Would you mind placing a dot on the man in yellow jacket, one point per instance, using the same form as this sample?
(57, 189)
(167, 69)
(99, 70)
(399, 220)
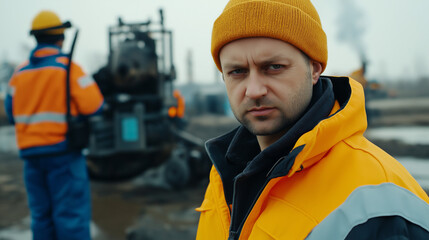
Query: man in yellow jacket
(55, 175)
(299, 166)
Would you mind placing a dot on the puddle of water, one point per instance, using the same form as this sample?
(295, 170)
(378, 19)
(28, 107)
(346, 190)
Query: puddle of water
(7, 139)
(17, 232)
(23, 231)
(406, 134)
(419, 169)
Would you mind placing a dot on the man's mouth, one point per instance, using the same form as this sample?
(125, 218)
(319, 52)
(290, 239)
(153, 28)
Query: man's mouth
(260, 111)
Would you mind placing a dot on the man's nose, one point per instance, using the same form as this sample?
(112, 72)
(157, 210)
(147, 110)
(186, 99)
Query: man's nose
(256, 86)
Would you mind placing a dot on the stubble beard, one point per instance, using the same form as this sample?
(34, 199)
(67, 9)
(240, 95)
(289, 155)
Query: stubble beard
(279, 124)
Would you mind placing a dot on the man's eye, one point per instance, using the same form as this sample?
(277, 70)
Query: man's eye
(275, 66)
(237, 71)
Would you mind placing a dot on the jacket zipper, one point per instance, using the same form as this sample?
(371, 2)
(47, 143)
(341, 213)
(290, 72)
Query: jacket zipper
(232, 235)
(235, 235)
(275, 164)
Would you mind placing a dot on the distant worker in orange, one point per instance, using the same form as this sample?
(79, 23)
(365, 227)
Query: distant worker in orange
(359, 75)
(55, 175)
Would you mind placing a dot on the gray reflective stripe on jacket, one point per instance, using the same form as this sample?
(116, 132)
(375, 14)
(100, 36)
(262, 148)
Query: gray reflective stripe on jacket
(10, 90)
(85, 81)
(366, 202)
(41, 117)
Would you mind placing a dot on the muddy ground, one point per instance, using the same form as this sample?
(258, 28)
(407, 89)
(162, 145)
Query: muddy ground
(154, 210)
(144, 207)
(13, 206)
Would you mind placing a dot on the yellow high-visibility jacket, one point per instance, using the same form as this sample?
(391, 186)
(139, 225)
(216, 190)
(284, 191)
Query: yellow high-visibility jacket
(333, 184)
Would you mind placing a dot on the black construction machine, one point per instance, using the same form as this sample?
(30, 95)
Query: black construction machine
(141, 126)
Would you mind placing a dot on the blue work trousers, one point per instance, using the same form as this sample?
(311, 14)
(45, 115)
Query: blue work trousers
(58, 197)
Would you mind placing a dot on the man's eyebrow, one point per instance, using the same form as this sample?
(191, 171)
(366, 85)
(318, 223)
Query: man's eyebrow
(264, 61)
(232, 65)
(272, 59)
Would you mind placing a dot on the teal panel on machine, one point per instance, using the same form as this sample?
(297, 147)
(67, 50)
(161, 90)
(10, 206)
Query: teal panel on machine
(130, 129)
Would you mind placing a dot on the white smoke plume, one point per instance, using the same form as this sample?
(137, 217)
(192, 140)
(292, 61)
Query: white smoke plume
(351, 25)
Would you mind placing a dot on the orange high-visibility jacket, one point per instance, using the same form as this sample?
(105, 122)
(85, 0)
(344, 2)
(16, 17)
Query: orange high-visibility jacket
(36, 100)
(337, 184)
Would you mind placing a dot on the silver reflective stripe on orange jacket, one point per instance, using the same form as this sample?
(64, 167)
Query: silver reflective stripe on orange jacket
(366, 202)
(41, 117)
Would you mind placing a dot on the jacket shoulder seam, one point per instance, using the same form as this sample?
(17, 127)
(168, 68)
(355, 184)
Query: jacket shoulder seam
(373, 157)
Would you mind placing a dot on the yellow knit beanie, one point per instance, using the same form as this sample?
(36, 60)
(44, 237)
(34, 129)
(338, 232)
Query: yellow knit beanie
(293, 21)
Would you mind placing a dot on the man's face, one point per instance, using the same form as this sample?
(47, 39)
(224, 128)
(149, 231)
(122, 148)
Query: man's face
(269, 83)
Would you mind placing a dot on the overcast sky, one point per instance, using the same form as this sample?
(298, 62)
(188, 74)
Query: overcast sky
(393, 34)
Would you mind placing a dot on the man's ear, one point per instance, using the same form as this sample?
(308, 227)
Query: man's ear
(316, 68)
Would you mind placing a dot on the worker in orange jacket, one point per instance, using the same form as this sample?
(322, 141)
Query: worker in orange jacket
(55, 175)
(299, 166)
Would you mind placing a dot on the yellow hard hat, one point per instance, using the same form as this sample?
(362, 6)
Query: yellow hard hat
(47, 22)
